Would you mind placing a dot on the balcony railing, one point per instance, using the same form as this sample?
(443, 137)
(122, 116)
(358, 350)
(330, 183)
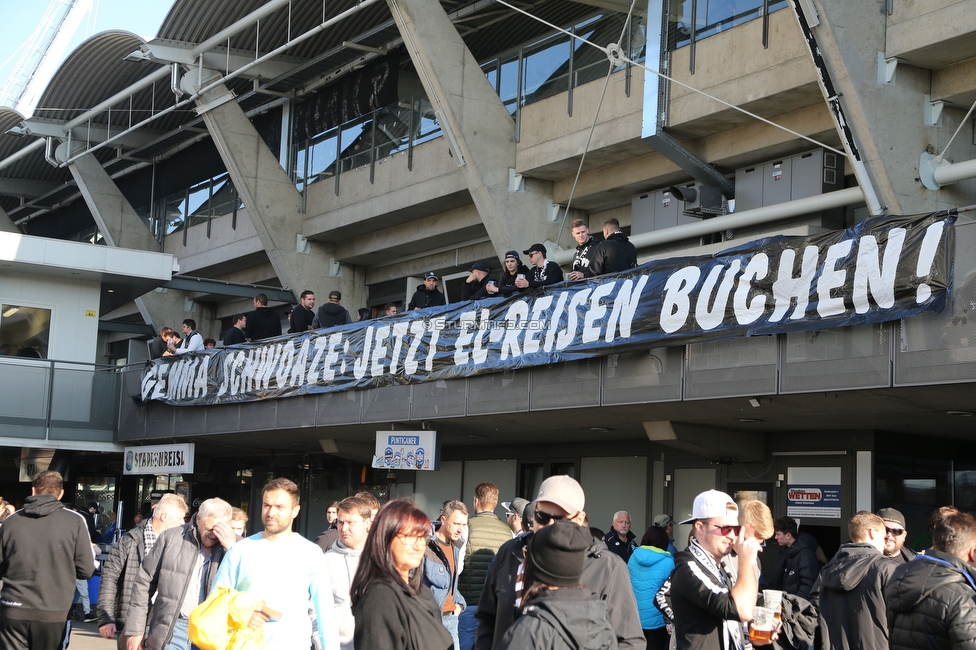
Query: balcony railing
(58, 400)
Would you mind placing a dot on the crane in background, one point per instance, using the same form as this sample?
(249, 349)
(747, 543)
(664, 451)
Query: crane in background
(42, 54)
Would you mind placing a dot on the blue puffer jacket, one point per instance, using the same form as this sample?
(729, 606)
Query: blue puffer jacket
(649, 568)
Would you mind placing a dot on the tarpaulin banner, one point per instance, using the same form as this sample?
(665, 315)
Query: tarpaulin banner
(885, 268)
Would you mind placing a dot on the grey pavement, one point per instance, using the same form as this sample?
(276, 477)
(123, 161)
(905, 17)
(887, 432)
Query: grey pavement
(84, 636)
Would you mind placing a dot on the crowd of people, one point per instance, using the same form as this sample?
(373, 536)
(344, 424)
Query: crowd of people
(592, 258)
(387, 577)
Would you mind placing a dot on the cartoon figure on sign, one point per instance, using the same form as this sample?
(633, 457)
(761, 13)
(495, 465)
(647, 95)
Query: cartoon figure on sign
(396, 460)
(420, 457)
(409, 460)
(388, 456)
(128, 461)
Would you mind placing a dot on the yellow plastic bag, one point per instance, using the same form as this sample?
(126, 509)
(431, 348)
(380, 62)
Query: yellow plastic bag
(221, 622)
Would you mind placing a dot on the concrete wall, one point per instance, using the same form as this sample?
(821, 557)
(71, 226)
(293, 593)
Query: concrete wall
(932, 33)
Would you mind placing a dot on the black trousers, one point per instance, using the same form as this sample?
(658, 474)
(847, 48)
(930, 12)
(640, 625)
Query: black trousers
(31, 635)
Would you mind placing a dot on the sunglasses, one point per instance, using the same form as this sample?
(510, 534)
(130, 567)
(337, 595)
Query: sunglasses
(895, 532)
(544, 518)
(725, 530)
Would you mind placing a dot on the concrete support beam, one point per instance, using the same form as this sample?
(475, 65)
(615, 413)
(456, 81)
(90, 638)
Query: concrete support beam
(715, 444)
(6, 224)
(273, 203)
(121, 227)
(473, 117)
(887, 120)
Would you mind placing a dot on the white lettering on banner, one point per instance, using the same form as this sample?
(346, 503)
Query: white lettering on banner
(764, 288)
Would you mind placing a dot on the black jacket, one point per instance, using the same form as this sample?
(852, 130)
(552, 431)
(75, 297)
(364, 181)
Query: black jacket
(262, 323)
(234, 336)
(331, 314)
(623, 549)
(423, 298)
(563, 619)
(399, 620)
(44, 549)
(701, 604)
(548, 273)
(850, 595)
(603, 573)
(613, 255)
(301, 320)
(475, 290)
(506, 285)
(932, 605)
(119, 572)
(798, 567)
(584, 255)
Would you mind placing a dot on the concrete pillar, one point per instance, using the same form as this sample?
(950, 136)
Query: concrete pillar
(121, 227)
(118, 221)
(273, 203)
(887, 119)
(6, 224)
(481, 125)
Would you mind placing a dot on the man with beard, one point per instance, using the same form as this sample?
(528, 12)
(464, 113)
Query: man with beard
(286, 571)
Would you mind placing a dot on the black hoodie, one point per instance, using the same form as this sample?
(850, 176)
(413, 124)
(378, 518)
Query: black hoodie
(331, 314)
(799, 567)
(44, 549)
(851, 598)
(262, 323)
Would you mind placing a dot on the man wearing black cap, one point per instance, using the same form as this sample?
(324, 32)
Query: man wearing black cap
(474, 287)
(427, 294)
(560, 498)
(895, 535)
(513, 269)
(544, 271)
(332, 313)
(559, 611)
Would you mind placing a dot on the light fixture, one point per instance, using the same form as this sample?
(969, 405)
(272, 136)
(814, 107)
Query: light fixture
(962, 414)
(754, 402)
(111, 290)
(750, 420)
(10, 312)
(599, 429)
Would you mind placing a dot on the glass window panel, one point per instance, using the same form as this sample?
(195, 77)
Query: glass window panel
(509, 84)
(199, 203)
(545, 70)
(24, 331)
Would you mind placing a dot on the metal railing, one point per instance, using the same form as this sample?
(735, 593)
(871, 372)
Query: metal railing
(47, 399)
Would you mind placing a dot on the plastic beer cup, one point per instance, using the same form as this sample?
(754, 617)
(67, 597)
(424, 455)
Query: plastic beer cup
(762, 626)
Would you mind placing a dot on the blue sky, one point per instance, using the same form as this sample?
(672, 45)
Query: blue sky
(20, 19)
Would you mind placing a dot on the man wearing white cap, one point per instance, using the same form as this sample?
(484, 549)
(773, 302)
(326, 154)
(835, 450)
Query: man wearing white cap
(560, 497)
(708, 608)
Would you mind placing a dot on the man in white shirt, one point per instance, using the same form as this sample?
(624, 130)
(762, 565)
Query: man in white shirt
(192, 339)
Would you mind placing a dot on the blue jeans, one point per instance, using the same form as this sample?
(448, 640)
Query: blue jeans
(181, 635)
(467, 628)
(450, 621)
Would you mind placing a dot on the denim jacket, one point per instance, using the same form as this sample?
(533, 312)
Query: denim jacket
(437, 573)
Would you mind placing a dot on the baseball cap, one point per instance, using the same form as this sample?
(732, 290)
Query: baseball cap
(564, 491)
(479, 266)
(516, 506)
(512, 254)
(663, 521)
(335, 294)
(430, 274)
(538, 248)
(890, 514)
(714, 504)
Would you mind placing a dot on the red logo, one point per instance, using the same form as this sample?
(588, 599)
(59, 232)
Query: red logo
(808, 495)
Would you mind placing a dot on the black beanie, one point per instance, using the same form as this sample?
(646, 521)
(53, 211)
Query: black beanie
(557, 553)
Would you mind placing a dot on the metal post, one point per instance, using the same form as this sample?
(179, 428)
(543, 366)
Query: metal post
(414, 124)
(572, 71)
(372, 148)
